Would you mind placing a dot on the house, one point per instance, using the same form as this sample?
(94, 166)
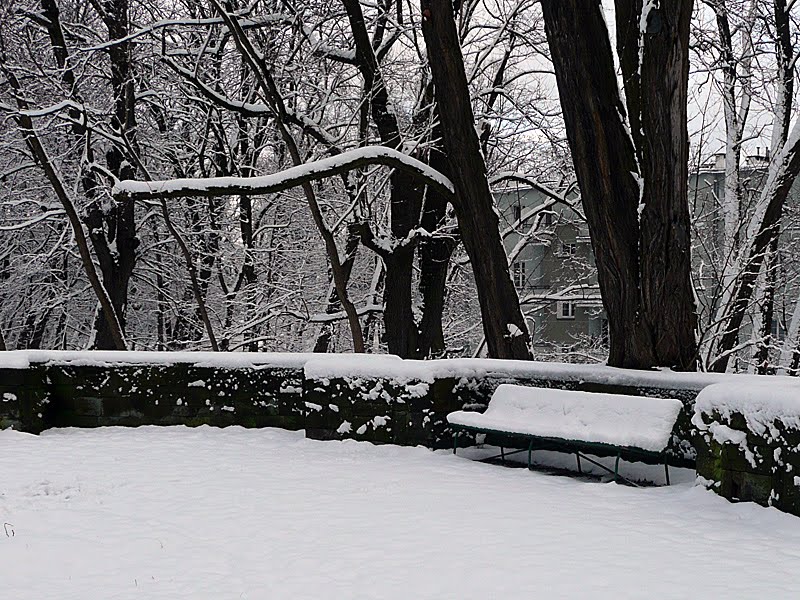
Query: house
(710, 252)
(552, 266)
(553, 269)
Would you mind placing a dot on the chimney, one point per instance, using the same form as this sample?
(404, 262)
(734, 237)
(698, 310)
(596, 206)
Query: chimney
(719, 161)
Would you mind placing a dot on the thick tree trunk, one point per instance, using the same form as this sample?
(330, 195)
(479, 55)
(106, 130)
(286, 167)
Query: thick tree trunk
(664, 238)
(639, 234)
(399, 326)
(113, 232)
(115, 267)
(605, 165)
(503, 322)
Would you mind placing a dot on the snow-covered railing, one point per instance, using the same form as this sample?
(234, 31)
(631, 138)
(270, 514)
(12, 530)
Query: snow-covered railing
(389, 366)
(23, 359)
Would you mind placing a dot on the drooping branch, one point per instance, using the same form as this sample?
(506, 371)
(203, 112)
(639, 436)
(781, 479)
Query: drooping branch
(284, 180)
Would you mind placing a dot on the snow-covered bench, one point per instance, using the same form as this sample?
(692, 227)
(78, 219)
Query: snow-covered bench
(630, 427)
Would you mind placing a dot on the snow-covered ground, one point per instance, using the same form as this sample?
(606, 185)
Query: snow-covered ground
(213, 514)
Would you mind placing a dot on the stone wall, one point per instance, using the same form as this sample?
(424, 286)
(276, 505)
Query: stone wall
(410, 413)
(744, 435)
(748, 444)
(24, 399)
(91, 396)
(79, 392)
(372, 398)
(414, 411)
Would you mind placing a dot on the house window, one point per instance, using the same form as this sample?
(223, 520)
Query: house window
(777, 330)
(565, 310)
(518, 272)
(517, 213)
(568, 249)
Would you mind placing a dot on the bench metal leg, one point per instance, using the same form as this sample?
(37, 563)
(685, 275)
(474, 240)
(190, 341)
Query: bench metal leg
(616, 468)
(578, 458)
(502, 456)
(666, 470)
(455, 441)
(530, 448)
(616, 474)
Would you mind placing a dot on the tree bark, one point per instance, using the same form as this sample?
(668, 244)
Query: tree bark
(405, 196)
(664, 238)
(639, 234)
(113, 232)
(325, 336)
(434, 261)
(504, 325)
(765, 339)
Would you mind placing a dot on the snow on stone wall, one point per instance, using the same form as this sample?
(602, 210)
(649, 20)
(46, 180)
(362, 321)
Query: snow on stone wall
(365, 397)
(749, 441)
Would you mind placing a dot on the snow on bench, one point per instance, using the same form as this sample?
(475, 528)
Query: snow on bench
(577, 421)
(615, 420)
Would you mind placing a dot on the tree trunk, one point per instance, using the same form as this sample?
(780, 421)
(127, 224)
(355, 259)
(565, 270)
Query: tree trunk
(434, 261)
(113, 232)
(774, 197)
(639, 230)
(765, 339)
(399, 326)
(400, 329)
(664, 239)
(783, 170)
(503, 322)
(325, 335)
(26, 128)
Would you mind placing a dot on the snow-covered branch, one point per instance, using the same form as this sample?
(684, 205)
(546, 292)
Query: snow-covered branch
(284, 180)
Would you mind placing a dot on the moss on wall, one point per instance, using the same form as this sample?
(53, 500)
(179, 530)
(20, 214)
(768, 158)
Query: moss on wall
(762, 468)
(379, 410)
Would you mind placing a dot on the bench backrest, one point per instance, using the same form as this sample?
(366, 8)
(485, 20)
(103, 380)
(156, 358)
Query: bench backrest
(626, 421)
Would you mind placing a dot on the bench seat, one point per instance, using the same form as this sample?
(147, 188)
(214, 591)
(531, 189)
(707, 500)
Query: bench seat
(604, 424)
